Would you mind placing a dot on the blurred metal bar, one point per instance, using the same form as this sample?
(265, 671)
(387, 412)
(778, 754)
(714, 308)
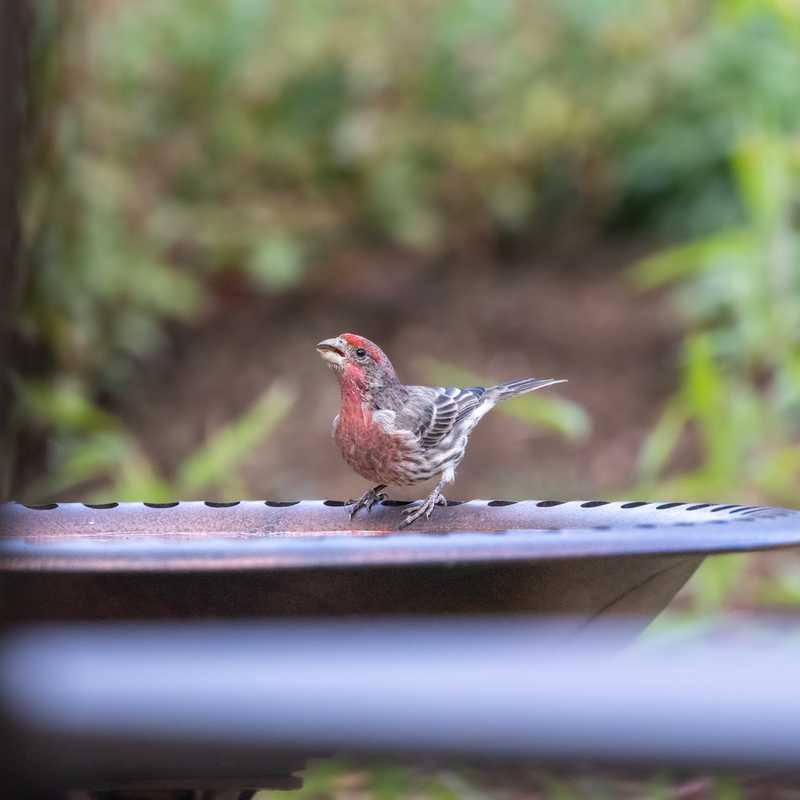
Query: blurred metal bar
(111, 704)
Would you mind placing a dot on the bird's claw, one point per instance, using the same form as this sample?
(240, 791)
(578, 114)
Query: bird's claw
(367, 500)
(424, 507)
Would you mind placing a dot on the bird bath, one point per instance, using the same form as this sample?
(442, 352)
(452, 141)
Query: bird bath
(588, 559)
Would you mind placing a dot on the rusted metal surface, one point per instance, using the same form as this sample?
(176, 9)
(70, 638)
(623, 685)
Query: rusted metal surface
(267, 559)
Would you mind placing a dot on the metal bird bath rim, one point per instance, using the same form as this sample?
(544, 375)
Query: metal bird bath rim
(275, 535)
(265, 559)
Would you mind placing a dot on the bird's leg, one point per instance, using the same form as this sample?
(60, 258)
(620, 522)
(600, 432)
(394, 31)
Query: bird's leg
(368, 499)
(426, 506)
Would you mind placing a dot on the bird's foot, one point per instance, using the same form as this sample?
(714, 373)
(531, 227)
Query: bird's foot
(423, 507)
(367, 500)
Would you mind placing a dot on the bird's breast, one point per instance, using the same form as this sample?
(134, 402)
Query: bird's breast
(370, 449)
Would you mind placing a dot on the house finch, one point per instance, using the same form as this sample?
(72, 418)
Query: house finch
(395, 434)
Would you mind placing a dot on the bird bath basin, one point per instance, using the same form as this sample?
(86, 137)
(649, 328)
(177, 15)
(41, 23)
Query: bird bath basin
(588, 559)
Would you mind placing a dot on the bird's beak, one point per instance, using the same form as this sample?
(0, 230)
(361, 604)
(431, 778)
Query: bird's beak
(332, 350)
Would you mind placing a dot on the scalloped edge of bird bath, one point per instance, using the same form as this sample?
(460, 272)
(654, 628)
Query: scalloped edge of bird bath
(274, 535)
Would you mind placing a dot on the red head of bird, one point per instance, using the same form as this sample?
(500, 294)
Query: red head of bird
(359, 364)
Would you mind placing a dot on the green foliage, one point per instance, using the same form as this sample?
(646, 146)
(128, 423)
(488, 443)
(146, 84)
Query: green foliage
(329, 778)
(739, 395)
(783, 589)
(727, 788)
(740, 383)
(91, 448)
(725, 417)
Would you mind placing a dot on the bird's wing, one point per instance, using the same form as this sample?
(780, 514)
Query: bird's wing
(433, 413)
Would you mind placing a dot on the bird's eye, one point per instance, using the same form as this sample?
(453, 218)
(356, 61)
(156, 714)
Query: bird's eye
(360, 352)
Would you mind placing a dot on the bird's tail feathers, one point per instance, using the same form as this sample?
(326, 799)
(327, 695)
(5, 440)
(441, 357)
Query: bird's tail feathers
(514, 388)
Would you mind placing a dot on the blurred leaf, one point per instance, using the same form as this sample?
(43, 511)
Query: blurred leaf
(672, 630)
(663, 438)
(760, 164)
(398, 197)
(782, 589)
(215, 461)
(686, 261)
(91, 456)
(710, 401)
(554, 413)
(556, 787)
(715, 581)
(727, 788)
(312, 102)
(388, 782)
(778, 473)
(702, 381)
(450, 785)
(277, 263)
(512, 203)
(135, 480)
(62, 404)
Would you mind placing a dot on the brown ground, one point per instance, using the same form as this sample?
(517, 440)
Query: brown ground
(563, 317)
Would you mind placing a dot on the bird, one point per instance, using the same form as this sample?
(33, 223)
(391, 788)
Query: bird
(399, 435)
